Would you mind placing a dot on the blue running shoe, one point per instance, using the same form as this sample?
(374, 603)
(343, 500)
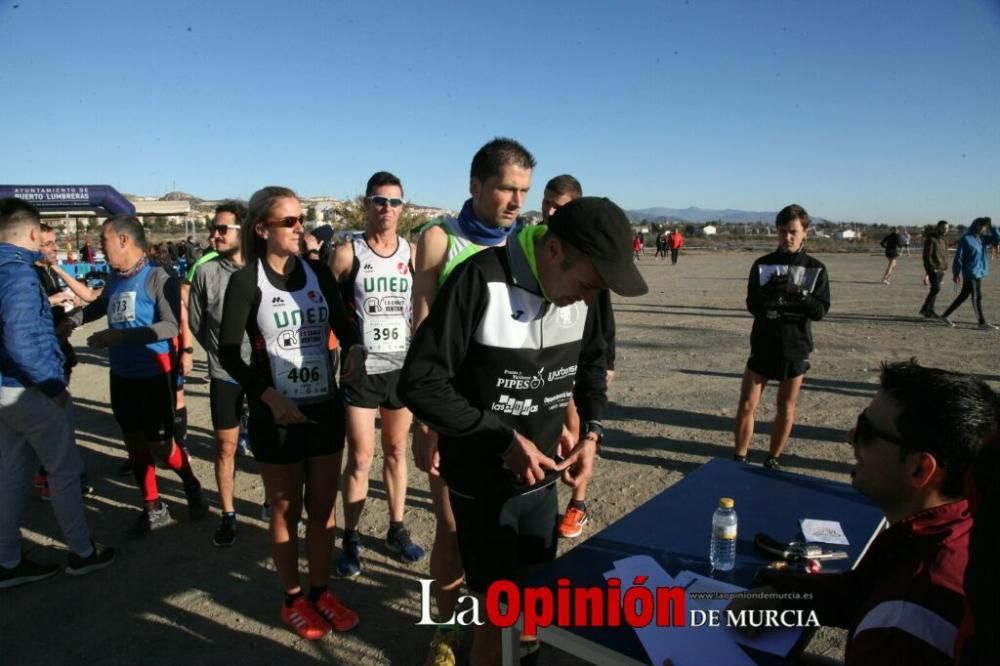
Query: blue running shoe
(398, 541)
(349, 564)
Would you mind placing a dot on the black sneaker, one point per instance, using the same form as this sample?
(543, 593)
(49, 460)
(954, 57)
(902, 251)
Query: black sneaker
(349, 563)
(772, 463)
(225, 536)
(26, 571)
(102, 557)
(738, 458)
(197, 504)
(398, 541)
(149, 520)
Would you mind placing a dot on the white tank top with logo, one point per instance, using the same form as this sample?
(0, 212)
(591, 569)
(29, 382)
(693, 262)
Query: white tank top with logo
(383, 305)
(295, 326)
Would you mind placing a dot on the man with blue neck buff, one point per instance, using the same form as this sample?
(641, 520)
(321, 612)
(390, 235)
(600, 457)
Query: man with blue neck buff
(498, 182)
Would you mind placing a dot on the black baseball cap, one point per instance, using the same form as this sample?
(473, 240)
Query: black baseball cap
(598, 228)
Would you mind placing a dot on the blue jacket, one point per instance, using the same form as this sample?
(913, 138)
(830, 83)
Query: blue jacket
(29, 351)
(970, 258)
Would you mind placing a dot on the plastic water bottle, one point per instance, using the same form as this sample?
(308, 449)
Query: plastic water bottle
(722, 553)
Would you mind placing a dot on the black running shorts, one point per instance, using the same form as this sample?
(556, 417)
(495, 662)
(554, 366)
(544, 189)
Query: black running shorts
(226, 402)
(293, 444)
(777, 369)
(374, 391)
(144, 406)
(498, 534)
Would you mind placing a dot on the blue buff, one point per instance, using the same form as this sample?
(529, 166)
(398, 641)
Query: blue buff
(477, 232)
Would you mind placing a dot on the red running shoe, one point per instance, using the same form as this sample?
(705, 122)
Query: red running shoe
(572, 523)
(340, 617)
(303, 618)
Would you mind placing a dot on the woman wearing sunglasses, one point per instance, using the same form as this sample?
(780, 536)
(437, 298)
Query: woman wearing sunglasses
(288, 307)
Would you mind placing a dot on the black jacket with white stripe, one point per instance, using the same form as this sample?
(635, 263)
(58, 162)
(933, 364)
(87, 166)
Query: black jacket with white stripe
(492, 357)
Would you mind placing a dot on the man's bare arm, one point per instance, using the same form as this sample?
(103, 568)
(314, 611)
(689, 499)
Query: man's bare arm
(81, 290)
(342, 261)
(429, 261)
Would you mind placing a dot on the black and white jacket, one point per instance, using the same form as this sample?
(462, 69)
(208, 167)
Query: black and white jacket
(492, 357)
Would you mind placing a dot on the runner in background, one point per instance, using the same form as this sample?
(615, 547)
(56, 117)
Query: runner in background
(141, 304)
(208, 289)
(375, 274)
(185, 341)
(935, 258)
(904, 241)
(675, 241)
(891, 245)
(559, 191)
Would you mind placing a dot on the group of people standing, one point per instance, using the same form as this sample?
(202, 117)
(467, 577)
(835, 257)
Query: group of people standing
(671, 241)
(509, 390)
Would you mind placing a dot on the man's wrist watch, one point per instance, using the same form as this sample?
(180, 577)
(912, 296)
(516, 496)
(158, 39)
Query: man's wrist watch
(188, 350)
(594, 428)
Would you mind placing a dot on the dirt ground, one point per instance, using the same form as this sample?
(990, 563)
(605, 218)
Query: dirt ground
(173, 598)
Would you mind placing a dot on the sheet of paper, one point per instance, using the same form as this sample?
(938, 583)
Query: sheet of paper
(683, 646)
(777, 641)
(824, 531)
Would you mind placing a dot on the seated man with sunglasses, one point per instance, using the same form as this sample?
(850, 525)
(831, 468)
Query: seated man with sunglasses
(913, 445)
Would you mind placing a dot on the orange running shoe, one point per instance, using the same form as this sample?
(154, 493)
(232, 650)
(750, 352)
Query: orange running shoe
(572, 523)
(340, 617)
(303, 618)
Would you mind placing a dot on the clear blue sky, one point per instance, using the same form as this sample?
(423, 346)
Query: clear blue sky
(883, 111)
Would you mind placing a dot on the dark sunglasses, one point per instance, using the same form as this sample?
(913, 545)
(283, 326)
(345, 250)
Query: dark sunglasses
(865, 431)
(221, 229)
(285, 222)
(385, 201)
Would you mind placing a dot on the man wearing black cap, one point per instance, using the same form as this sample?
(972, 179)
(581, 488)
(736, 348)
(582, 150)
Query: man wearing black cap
(492, 369)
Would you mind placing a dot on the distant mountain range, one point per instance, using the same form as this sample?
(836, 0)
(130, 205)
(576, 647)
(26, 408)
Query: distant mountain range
(699, 215)
(691, 215)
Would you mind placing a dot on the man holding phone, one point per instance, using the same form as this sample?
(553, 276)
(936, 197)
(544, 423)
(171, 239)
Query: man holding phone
(491, 370)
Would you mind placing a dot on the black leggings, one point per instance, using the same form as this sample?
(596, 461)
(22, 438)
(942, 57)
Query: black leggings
(973, 287)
